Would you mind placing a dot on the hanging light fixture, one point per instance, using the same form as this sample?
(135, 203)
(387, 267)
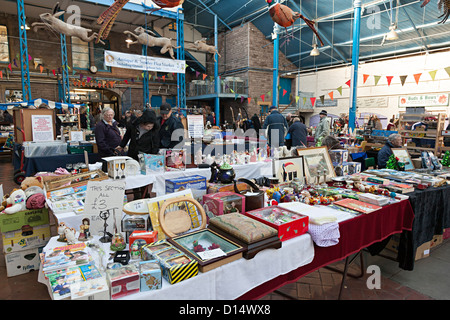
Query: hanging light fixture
(128, 39)
(314, 52)
(392, 34)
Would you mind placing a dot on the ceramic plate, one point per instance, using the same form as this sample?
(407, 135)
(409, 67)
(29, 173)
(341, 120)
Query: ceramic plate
(132, 168)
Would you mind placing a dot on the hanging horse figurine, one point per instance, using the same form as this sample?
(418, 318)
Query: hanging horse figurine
(285, 17)
(442, 5)
(164, 4)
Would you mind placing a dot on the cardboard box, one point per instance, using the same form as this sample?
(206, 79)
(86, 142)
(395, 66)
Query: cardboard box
(151, 163)
(92, 289)
(123, 281)
(15, 221)
(437, 240)
(26, 238)
(221, 203)
(151, 275)
(423, 251)
(353, 167)
(196, 183)
(21, 262)
(138, 239)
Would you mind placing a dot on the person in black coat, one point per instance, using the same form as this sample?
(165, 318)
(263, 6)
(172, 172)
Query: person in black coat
(107, 134)
(256, 123)
(298, 133)
(394, 141)
(143, 135)
(168, 125)
(276, 126)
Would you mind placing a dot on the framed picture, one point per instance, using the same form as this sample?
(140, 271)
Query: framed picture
(77, 136)
(403, 156)
(317, 162)
(286, 169)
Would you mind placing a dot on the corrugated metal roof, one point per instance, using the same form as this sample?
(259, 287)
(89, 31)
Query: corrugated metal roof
(417, 27)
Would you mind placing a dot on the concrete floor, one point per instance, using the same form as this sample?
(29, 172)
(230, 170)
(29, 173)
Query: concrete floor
(428, 281)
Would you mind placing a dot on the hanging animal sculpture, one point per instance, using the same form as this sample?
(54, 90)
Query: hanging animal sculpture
(442, 5)
(108, 17)
(165, 4)
(285, 17)
(143, 37)
(201, 45)
(52, 21)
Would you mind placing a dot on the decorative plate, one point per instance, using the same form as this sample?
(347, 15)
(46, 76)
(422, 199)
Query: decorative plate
(132, 168)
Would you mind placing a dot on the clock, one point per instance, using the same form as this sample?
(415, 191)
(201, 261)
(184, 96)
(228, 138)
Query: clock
(93, 69)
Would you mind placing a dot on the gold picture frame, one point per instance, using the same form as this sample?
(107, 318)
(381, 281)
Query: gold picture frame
(316, 159)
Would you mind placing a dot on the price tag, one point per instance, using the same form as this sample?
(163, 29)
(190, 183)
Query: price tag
(211, 254)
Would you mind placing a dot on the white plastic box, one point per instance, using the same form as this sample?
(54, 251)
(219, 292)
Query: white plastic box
(44, 149)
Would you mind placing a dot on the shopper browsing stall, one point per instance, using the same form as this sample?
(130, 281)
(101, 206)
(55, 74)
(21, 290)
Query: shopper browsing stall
(169, 137)
(394, 141)
(298, 133)
(107, 134)
(143, 135)
(276, 127)
(323, 128)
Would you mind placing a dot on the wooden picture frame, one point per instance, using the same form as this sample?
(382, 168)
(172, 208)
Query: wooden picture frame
(77, 135)
(313, 159)
(286, 169)
(403, 155)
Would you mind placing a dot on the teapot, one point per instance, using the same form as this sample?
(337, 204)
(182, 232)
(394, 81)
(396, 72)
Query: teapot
(224, 174)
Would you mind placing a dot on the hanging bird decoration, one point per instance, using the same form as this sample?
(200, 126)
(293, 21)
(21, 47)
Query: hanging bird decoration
(107, 18)
(285, 17)
(165, 4)
(442, 4)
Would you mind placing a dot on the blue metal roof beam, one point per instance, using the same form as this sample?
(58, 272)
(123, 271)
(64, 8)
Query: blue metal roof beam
(321, 34)
(214, 14)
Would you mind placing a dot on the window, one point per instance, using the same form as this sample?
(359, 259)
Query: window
(80, 53)
(4, 47)
(99, 55)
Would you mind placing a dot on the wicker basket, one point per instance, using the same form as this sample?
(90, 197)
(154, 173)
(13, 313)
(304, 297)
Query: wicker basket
(180, 215)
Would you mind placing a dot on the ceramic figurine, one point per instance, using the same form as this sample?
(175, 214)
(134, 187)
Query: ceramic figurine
(70, 235)
(85, 234)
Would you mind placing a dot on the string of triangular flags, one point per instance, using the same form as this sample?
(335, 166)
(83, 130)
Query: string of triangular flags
(377, 78)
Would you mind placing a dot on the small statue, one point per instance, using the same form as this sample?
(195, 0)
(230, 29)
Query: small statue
(85, 234)
(70, 235)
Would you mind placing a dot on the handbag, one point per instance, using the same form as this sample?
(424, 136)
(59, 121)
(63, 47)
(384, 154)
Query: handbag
(254, 199)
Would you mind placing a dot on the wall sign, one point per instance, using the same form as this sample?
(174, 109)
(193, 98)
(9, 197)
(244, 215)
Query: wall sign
(425, 100)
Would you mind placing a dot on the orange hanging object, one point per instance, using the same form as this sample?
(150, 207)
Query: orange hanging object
(168, 3)
(285, 17)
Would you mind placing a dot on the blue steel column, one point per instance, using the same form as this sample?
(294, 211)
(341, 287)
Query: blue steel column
(216, 74)
(65, 70)
(181, 77)
(145, 87)
(276, 47)
(24, 64)
(355, 63)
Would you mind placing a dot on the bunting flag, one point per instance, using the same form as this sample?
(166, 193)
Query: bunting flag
(349, 82)
(204, 76)
(36, 64)
(15, 63)
(377, 78)
(269, 93)
(242, 99)
(339, 90)
(389, 79)
(447, 70)
(197, 74)
(54, 72)
(88, 79)
(365, 77)
(313, 101)
(41, 68)
(433, 74)
(126, 81)
(164, 78)
(10, 67)
(81, 76)
(1, 74)
(232, 91)
(403, 79)
(322, 99)
(248, 100)
(284, 92)
(262, 97)
(296, 99)
(331, 94)
(417, 77)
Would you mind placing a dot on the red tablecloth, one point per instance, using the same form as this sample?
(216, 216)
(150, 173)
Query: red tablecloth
(355, 235)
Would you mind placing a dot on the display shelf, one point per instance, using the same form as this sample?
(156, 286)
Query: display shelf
(407, 120)
(67, 123)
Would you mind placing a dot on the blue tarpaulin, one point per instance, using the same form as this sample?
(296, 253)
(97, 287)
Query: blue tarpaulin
(37, 102)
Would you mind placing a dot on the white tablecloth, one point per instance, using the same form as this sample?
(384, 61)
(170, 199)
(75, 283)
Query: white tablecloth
(231, 280)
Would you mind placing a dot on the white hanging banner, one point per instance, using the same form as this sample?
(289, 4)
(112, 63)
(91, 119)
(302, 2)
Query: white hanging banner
(139, 62)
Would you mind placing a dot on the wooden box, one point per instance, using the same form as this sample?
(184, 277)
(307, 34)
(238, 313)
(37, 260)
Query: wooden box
(252, 235)
(208, 248)
(23, 122)
(288, 223)
(75, 180)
